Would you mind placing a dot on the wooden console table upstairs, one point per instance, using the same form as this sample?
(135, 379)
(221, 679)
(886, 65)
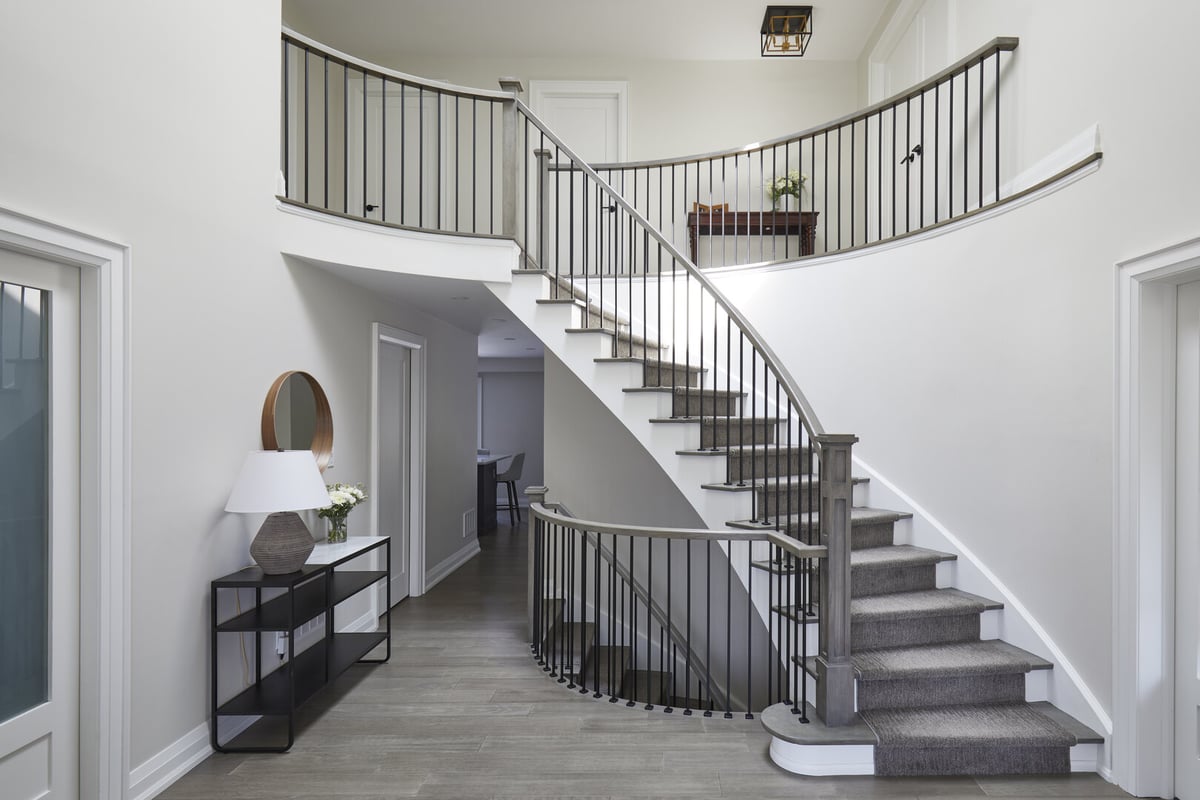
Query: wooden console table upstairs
(716, 222)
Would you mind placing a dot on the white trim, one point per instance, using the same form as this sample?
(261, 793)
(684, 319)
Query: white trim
(824, 759)
(1070, 692)
(156, 773)
(375, 227)
(541, 90)
(104, 486)
(1074, 150)
(383, 333)
(1143, 548)
(437, 573)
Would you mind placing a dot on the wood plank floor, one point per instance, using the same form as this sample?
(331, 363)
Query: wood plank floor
(462, 711)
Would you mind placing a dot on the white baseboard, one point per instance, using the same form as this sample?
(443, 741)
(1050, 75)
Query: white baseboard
(822, 760)
(367, 623)
(154, 775)
(439, 571)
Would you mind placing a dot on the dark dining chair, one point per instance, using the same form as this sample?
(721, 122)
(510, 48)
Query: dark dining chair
(509, 478)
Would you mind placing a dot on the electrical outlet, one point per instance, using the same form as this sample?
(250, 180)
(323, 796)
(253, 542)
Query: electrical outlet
(281, 644)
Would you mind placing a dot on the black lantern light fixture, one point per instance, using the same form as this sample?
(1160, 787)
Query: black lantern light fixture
(786, 30)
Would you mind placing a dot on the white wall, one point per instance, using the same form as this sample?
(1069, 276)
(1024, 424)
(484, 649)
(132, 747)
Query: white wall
(511, 396)
(156, 125)
(977, 367)
(596, 467)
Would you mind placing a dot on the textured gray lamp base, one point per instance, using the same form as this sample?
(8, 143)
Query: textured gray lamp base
(282, 544)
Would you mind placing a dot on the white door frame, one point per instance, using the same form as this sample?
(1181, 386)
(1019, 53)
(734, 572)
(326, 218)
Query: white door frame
(104, 492)
(383, 333)
(1143, 548)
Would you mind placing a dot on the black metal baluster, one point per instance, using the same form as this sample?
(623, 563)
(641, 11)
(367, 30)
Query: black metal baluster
(921, 187)
(634, 625)
(364, 143)
(307, 144)
(997, 56)
(708, 625)
(582, 594)
(552, 623)
(421, 157)
(893, 170)
(325, 131)
(729, 630)
(613, 678)
(649, 618)
(950, 154)
(595, 659)
(981, 58)
(687, 669)
(670, 627)
(908, 165)
(937, 152)
(750, 626)
(383, 148)
(438, 160)
(285, 166)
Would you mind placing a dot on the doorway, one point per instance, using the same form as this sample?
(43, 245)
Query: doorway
(39, 526)
(398, 456)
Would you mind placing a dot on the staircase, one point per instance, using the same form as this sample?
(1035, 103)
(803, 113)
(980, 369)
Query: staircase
(933, 696)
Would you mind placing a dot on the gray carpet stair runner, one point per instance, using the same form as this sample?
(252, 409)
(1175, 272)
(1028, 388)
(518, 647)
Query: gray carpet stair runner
(940, 700)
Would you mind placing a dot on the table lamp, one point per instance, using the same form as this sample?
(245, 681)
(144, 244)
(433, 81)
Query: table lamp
(279, 483)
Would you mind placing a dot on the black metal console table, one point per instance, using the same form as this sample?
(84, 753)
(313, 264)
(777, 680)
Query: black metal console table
(295, 599)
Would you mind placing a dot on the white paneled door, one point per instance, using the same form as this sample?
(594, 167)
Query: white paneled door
(39, 528)
(1187, 544)
(395, 458)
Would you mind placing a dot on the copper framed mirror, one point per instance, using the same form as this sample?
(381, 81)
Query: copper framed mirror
(296, 416)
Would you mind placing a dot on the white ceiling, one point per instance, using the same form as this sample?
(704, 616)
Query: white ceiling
(697, 30)
(464, 304)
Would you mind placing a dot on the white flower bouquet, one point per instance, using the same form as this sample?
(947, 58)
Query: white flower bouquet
(342, 500)
(789, 185)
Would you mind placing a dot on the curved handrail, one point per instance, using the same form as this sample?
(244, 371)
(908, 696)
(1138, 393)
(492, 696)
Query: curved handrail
(400, 77)
(808, 416)
(788, 545)
(996, 45)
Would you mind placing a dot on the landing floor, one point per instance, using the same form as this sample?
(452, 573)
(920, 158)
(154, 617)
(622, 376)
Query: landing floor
(462, 711)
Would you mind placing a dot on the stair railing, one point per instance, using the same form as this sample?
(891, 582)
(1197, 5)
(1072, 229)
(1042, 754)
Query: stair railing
(392, 149)
(592, 629)
(920, 159)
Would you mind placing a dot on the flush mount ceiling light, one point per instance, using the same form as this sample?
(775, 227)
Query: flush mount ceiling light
(786, 30)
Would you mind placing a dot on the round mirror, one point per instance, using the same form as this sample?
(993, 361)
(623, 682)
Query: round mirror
(296, 416)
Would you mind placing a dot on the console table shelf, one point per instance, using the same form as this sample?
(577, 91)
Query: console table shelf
(304, 595)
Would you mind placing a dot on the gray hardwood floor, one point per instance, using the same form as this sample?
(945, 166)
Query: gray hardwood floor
(462, 711)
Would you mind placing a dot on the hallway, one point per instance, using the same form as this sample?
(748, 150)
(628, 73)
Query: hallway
(462, 711)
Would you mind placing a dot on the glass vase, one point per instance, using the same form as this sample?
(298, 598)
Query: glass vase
(337, 530)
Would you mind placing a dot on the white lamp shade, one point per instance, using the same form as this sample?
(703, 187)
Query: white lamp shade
(272, 481)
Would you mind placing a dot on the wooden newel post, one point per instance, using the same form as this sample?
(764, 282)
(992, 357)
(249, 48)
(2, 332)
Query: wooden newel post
(835, 671)
(510, 166)
(536, 495)
(543, 206)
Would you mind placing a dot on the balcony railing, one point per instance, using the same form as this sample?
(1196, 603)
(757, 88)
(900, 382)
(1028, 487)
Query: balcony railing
(926, 156)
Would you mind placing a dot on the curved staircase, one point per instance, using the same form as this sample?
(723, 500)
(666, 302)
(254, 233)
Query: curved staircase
(933, 696)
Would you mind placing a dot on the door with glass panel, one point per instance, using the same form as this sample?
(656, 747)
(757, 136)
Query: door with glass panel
(39, 528)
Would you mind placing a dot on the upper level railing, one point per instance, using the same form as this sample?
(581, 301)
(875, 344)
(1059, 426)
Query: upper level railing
(925, 156)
